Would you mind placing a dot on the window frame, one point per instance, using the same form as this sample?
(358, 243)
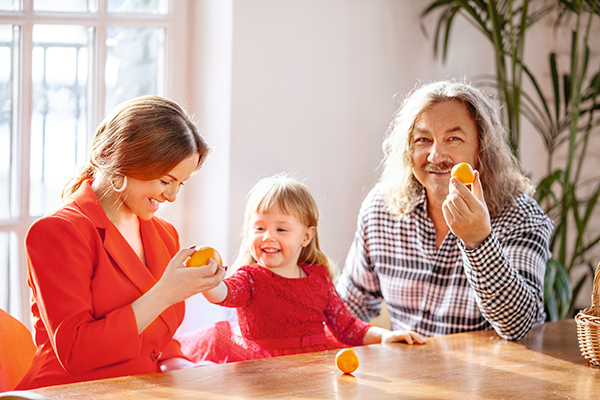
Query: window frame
(177, 41)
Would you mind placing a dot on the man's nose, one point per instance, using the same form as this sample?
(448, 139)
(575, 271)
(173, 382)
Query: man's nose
(437, 153)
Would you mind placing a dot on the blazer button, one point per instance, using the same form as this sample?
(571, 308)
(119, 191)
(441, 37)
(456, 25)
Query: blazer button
(156, 354)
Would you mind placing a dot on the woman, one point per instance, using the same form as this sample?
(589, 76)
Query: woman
(107, 275)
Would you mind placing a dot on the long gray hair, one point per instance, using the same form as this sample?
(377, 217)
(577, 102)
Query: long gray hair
(500, 175)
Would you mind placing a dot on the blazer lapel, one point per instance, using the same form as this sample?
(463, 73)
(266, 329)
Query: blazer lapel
(157, 256)
(157, 259)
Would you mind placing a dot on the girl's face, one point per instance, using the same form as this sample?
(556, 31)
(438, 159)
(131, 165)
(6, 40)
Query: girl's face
(143, 198)
(276, 240)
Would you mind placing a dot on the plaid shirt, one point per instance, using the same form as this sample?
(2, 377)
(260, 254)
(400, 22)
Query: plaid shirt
(498, 285)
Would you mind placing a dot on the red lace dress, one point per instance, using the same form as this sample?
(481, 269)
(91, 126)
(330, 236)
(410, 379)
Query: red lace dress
(281, 316)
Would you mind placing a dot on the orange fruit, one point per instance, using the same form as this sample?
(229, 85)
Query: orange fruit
(463, 172)
(201, 256)
(346, 360)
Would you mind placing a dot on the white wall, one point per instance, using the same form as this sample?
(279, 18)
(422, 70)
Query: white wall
(307, 87)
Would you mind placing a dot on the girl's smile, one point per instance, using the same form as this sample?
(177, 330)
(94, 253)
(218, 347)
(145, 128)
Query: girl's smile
(276, 240)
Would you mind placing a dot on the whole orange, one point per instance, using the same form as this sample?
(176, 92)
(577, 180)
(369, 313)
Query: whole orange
(463, 172)
(201, 256)
(346, 360)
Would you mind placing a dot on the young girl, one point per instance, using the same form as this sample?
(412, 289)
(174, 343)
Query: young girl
(283, 293)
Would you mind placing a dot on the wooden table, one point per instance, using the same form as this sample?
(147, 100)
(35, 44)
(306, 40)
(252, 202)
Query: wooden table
(546, 364)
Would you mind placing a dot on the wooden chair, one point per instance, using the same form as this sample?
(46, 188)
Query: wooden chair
(16, 351)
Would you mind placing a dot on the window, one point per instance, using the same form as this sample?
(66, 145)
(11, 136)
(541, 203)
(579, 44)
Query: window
(63, 64)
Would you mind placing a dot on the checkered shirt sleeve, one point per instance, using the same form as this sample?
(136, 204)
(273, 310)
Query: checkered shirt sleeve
(435, 292)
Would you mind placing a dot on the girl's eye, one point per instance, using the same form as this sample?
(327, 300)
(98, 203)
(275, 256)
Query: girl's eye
(164, 182)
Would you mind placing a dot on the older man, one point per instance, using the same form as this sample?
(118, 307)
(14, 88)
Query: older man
(447, 258)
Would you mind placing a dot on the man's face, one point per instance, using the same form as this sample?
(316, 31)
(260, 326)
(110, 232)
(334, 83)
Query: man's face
(444, 135)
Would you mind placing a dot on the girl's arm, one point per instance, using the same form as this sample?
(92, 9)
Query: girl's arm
(380, 335)
(216, 294)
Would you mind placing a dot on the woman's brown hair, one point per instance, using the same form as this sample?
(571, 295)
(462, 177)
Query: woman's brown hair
(143, 138)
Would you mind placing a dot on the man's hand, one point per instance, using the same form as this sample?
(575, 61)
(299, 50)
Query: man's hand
(466, 213)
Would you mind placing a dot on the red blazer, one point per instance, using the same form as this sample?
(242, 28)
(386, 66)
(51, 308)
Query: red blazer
(84, 277)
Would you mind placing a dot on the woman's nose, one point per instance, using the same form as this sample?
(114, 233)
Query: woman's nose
(170, 193)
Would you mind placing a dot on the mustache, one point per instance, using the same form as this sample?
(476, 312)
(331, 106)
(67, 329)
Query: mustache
(445, 166)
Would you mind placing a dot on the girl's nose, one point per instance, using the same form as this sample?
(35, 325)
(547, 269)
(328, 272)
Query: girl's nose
(267, 236)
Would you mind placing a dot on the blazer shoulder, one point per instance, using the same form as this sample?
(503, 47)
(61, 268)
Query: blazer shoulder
(167, 232)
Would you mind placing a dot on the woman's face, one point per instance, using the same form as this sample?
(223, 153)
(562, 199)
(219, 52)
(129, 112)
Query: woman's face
(143, 198)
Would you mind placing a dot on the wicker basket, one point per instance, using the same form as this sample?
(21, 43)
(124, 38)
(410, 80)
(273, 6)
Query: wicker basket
(588, 325)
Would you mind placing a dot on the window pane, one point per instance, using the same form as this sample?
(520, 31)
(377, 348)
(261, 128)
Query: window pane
(59, 137)
(10, 5)
(139, 6)
(9, 271)
(65, 5)
(8, 138)
(135, 63)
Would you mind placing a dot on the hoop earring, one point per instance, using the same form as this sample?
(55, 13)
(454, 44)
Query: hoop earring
(119, 190)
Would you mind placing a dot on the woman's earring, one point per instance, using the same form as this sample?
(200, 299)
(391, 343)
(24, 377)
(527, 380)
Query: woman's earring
(123, 186)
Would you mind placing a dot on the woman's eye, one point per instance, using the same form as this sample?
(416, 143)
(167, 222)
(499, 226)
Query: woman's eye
(164, 182)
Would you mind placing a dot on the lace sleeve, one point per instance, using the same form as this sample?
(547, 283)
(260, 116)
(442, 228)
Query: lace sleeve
(347, 328)
(240, 289)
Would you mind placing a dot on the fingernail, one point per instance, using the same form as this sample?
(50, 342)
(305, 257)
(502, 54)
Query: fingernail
(192, 247)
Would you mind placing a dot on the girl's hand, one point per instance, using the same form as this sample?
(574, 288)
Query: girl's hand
(409, 337)
(376, 334)
(466, 213)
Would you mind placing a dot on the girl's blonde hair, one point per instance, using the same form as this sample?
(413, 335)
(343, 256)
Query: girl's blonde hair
(143, 138)
(293, 198)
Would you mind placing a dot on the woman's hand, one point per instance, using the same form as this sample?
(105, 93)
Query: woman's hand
(466, 213)
(179, 282)
(176, 284)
